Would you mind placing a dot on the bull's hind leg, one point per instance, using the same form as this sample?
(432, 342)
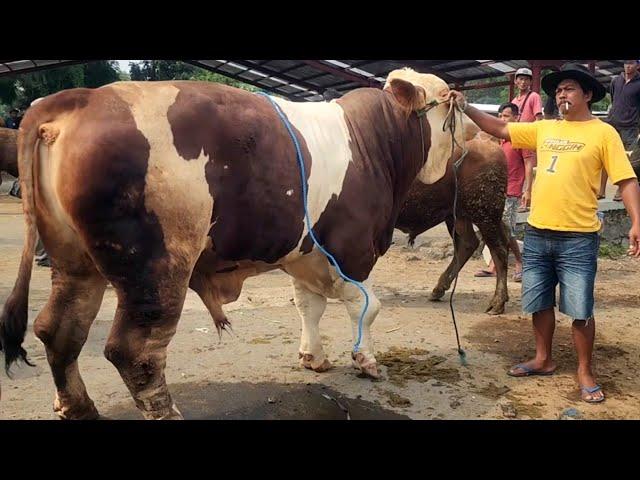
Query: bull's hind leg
(466, 243)
(495, 236)
(63, 327)
(145, 322)
(354, 301)
(311, 307)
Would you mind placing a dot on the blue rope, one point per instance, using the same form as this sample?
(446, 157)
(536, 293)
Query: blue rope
(303, 181)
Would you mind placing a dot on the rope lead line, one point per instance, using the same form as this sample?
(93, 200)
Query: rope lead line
(303, 182)
(450, 122)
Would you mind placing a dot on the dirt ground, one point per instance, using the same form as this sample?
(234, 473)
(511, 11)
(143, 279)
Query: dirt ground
(255, 374)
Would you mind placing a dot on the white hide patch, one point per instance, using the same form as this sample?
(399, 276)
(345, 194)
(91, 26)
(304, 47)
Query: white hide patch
(435, 89)
(176, 189)
(440, 150)
(327, 137)
(441, 143)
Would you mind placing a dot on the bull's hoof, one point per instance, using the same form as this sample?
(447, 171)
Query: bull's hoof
(436, 294)
(170, 414)
(495, 310)
(308, 361)
(368, 366)
(85, 411)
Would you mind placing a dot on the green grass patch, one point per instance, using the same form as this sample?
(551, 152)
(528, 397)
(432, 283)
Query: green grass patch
(613, 251)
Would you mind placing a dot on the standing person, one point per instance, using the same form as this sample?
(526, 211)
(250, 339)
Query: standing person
(13, 121)
(561, 239)
(529, 104)
(624, 114)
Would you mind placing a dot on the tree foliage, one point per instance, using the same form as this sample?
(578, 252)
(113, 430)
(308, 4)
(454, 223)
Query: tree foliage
(154, 70)
(20, 90)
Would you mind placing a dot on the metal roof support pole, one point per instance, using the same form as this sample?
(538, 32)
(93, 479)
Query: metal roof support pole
(512, 85)
(481, 86)
(536, 70)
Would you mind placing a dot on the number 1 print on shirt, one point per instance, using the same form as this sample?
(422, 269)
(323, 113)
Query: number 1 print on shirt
(554, 159)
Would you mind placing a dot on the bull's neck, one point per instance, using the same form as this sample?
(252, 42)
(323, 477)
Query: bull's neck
(388, 140)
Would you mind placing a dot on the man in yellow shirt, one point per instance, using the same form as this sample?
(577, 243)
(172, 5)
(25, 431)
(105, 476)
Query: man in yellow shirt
(561, 238)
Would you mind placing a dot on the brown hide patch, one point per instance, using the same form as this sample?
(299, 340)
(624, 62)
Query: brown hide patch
(386, 149)
(105, 161)
(252, 163)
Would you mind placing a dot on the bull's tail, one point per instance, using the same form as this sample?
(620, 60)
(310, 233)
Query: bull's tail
(13, 321)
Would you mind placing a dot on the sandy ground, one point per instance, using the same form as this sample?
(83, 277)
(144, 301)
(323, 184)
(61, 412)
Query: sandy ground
(255, 374)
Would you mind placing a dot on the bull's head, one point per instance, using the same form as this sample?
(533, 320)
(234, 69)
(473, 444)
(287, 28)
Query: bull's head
(434, 93)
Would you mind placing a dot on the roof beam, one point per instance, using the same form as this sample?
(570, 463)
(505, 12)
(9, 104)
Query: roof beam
(353, 77)
(480, 76)
(48, 66)
(278, 73)
(423, 68)
(485, 85)
(235, 77)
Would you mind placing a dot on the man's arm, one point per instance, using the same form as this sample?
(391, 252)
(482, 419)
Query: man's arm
(488, 123)
(630, 193)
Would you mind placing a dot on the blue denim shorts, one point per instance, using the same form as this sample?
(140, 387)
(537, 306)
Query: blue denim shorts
(566, 258)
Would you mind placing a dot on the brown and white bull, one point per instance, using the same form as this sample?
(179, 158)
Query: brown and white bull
(160, 187)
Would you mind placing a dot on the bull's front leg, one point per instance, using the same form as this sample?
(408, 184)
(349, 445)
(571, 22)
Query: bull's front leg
(310, 306)
(353, 298)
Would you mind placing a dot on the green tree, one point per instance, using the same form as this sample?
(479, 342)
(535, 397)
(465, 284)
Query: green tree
(100, 73)
(203, 75)
(21, 90)
(39, 84)
(135, 72)
(148, 70)
(491, 96)
(154, 70)
(8, 92)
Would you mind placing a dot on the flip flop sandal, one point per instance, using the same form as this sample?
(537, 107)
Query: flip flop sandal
(484, 273)
(528, 372)
(590, 391)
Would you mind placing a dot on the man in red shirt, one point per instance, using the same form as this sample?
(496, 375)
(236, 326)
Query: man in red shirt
(508, 112)
(529, 105)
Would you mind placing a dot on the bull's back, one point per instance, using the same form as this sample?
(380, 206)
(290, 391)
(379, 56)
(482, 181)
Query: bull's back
(146, 169)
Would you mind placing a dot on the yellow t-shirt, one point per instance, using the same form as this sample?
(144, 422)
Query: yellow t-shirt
(571, 156)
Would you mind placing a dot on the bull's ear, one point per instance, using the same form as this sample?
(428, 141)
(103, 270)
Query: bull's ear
(407, 94)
